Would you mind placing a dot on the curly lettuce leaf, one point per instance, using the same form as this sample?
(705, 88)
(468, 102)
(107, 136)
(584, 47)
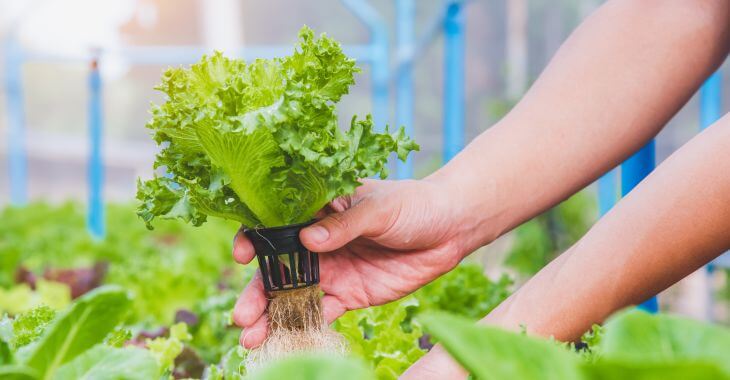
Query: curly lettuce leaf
(258, 142)
(166, 349)
(77, 329)
(29, 325)
(385, 336)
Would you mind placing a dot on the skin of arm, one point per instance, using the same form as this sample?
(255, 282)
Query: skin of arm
(610, 88)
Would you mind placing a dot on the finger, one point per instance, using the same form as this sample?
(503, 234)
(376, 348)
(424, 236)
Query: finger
(243, 251)
(338, 229)
(332, 308)
(255, 335)
(251, 304)
(323, 212)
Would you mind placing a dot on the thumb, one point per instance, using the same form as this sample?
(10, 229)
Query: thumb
(340, 228)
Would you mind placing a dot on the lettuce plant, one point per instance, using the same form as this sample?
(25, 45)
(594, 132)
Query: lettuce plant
(259, 142)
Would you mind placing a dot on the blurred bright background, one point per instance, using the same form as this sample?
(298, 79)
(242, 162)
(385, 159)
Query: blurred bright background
(507, 45)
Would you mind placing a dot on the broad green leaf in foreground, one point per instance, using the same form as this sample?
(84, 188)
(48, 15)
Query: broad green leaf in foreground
(109, 363)
(492, 353)
(17, 372)
(647, 338)
(314, 367)
(79, 328)
(635, 369)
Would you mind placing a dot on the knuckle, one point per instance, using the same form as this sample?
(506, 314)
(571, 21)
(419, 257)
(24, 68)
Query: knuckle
(340, 221)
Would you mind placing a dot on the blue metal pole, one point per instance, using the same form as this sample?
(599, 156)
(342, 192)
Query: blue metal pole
(607, 192)
(710, 112)
(633, 171)
(404, 102)
(711, 100)
(95, 217)
(453, 80)
(17, 166)
(379, 57)
(380, 80)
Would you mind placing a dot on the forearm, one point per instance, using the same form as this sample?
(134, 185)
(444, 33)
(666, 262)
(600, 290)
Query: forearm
(610, 88)
(673, 223)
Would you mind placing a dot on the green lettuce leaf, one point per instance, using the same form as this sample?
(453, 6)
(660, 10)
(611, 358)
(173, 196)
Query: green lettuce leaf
(86, 323)
(313, 367)
(661, 339)
(29, 325)
(17, 372)
(21, 298)
(108, 363)
(638, 370)
(385, 336)
(464, 291)
(258, 142)
(166, 349)
(491, 353)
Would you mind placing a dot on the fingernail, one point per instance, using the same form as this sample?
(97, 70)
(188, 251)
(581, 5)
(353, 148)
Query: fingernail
(319, 234)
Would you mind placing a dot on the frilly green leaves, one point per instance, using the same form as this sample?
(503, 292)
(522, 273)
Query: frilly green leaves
(259, 142)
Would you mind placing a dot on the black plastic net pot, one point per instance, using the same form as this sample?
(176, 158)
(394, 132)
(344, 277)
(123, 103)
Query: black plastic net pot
(284, 262)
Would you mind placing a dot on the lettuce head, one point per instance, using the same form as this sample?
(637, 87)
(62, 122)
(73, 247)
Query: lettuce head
(258, 142)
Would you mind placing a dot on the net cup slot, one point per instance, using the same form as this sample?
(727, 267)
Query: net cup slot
(284, 262)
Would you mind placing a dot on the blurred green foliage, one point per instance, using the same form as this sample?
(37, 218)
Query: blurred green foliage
(546, 236)
(169, 268)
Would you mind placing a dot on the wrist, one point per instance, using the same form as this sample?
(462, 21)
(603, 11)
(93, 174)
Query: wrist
(475, 210)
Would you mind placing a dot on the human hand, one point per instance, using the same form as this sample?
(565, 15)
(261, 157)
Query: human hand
(380, 244)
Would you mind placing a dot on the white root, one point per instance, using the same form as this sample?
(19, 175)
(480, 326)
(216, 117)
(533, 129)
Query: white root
(296, 324)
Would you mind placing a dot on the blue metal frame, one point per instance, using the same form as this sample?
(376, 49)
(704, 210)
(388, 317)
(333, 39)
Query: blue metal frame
(454, 68)
(405, 11)
(711, 100)
(607, 192)
(378, 48)
(17, 165)
(710, 112)
(95, 217)
(180, 55)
